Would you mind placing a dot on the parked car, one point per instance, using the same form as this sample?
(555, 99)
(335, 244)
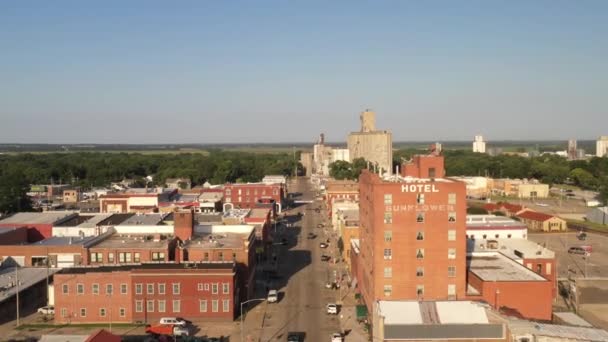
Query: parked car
(47, 310)
(323, 245)
(167, 329)
(580, 250)
(173, 321)
(273, 296)
(295, 337)
(325, 257)
(336, 337)
(329, 285)
(311, 236)
(181, 331)
(332, 309)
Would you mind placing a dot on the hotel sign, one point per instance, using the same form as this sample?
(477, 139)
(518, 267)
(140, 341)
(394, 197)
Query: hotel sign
(419, 188)
(420, 207)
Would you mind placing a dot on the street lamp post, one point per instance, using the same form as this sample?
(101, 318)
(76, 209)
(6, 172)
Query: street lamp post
(245, 302)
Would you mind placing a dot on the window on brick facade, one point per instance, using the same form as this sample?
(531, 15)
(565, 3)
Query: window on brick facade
(220, 256)
(420, 217)
(215, 305)
(420, 198)
(95, 289)
(136, 257)
(206, 286)
(206, 256)
(419, 271)
(228, 192)
(225, 288)
(150, 289)
(109, 288)
(388, 235)
(124, 257)
(420, 290)
(123, 288)
(158, 256)
(122, 312)
(214, 288)
(96, 257)
(548, 269)
(111, 257)
(451, 198)
(388, 199)
(83, 312)
(150, 306)
(102, 312)
(420, 236)
(64, 312)
(138, 289)
(388, 254)
(176, 288)
(80, 288)
(451, 271)
(226, 305)
(451, 253)
(452, 216)
(139, 306)
(65, 288)
(451, 291)
(162, 306)
(199, 286)
(539, 268)
(451, 235)
(388, 290)
(161, 288)
(202, 305)
(388, 272)
(388, 217)
(420, 253)
(177, 306)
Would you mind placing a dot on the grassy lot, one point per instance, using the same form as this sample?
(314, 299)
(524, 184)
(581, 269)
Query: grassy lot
(589, 224)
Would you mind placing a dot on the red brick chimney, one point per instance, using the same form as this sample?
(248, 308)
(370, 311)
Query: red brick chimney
(184, 224)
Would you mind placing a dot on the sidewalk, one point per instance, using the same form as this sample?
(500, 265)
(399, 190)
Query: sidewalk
(348, 320)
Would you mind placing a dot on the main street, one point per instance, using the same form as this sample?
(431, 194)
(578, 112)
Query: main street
(303, 295)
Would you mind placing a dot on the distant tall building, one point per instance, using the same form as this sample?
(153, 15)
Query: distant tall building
(601, 146)
(572, 151)
(479, 146)
(372, 145)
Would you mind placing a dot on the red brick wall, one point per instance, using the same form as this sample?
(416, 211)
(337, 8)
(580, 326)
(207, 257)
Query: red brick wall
(252, 193)
(104, 204)
(420, 166)
(28, 251)
(145, 254)
(35, 232)
(74, 302)
(530, 299)
(544, 267)
(183, 221)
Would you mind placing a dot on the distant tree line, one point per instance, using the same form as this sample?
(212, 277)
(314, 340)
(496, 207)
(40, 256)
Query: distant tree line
(90, 169)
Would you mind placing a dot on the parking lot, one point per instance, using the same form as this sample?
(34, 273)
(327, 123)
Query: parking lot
(576, 265)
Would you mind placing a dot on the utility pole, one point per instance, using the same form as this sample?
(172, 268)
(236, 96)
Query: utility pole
(295, 164)
(17, 294)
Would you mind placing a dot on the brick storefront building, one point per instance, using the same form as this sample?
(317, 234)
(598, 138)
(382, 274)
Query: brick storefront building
(144, 293)
(412, 235)
(254, 195)
(39, 225)
(340, 189)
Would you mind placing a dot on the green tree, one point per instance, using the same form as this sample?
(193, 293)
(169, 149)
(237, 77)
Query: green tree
(13, 192)
(583, 178)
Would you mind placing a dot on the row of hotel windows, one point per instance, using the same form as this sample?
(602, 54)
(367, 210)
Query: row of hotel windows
(255, 192)
(388, 235)
(176, 287)
(388, 217)
(125, 257)
(388, 290)
(388, 198)
(388, 272)
(122, 312)
(485, 236)
(388, 253)
(177, 307)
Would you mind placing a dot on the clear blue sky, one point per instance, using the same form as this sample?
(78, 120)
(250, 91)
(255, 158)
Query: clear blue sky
(281, 71)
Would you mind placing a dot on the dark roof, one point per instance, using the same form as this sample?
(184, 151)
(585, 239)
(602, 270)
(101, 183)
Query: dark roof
(213, 265)
(115, 219)
(443, 331)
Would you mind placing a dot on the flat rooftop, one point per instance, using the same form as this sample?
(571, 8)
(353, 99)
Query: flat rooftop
(95, 220)
(513, 248)
(37, 218)
(414, 180)
(144, 220)
(236, 213)
(131, 241)
(208, 218)
(492, 221)
(259, 213)
(441, 312)
(218, 240)
(497, 267)
(65, 241)
(558, 331)
(27, 277)
(210, 265)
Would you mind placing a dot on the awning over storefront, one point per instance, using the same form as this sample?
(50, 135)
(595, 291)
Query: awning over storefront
(361, 312)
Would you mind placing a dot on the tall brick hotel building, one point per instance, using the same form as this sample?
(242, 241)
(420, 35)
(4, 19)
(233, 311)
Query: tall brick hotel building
(412, 234)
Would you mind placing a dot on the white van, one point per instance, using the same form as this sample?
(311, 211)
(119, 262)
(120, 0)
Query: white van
(173, 321)
(273, 296)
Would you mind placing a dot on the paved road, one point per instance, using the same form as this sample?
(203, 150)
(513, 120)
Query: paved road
(304, 296)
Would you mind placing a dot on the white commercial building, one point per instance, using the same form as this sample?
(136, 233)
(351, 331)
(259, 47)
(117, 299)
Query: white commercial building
(479, 145)
(601, 146)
